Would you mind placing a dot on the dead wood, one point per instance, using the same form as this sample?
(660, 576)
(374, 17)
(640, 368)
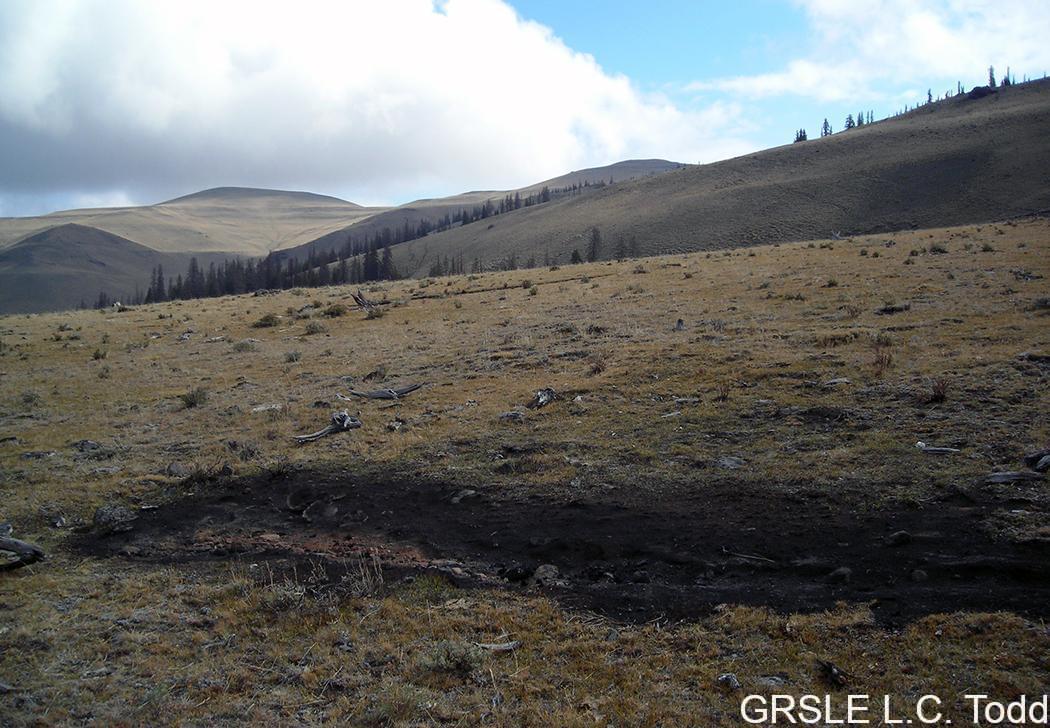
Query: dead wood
(389, 393)
(26, 553)
(341, 422)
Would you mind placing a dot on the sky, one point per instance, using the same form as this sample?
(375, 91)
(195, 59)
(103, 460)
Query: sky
(114, 102)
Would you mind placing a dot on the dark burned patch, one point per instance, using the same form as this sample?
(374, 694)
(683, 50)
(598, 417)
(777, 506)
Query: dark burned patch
(643, 555)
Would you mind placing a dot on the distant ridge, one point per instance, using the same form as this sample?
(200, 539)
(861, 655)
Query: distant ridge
(952, 162)
(433, 209)
(227, 194)
(71, 263)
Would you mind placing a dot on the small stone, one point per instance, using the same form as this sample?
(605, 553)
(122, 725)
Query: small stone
(640, 577)
(110, 519)
(729, 462)
(679, 325)
(545, 575)
(612, 635)
(38, 454)
(460, 495)
(840, 575)
(86, 445)
(898, 538)
(728, 681)
(512, 416)
(919, 576)
(1034, 458)
(177, 470)
(1043, 465)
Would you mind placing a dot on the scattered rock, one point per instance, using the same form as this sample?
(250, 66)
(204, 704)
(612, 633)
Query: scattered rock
(898, 538)
(545, 575)
(729, 462)
(1013, 476)
(9, 440)
(772, 681)
(395, 425)
(6, 528)
(612, 635)
(512, 416)
(86, 446)
(110, 519)
(177, 470)
(919, 576)
(460, 495)
(266, 408)
(1043, 465)
(38, 454)
(728, 681)
(840, 575)
(543, 398)
(837, 382)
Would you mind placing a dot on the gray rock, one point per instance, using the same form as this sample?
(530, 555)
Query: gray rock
(109, 519)
(512, 416)
(177, 470)
(86, 446)
(729, 462)
(546, 575)
(1043, 465)
(840, 575)
(38, 454)
(461, 495)
(728, 681)
(919, 576)
(898, 538)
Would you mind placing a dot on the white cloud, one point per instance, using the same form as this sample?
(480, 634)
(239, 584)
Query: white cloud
(104, 97)
(871, 48)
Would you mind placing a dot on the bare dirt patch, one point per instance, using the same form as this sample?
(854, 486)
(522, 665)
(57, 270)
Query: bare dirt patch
(632, 557)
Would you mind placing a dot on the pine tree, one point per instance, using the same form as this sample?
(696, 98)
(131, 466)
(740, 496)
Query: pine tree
(633, 248)
(849, 121)
(594, 247)
(991, 77)
(825, 130)
(576, 258)
(929, 95)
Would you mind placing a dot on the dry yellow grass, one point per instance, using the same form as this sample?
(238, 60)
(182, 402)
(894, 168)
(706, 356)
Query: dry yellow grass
(124, 643)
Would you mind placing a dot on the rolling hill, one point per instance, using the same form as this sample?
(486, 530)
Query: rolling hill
(65, 265)
(958, 161)
(434, 209)
(235, 220)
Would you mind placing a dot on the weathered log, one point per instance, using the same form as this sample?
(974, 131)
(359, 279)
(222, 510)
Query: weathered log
(26, 553)
(394, 393)
(1013, 476)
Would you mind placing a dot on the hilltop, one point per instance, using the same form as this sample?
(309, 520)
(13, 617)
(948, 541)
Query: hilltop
(957, 161)
(70, 264)
(233, 220)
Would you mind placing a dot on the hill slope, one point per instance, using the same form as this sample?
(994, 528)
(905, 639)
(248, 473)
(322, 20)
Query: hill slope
(237, 220)
(949, 163)
(434, 209)
(67, 264)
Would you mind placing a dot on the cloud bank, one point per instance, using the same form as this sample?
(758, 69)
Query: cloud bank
(895, 48)
(109, 99)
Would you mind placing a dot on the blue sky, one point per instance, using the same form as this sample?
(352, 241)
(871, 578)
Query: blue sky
(108, 102)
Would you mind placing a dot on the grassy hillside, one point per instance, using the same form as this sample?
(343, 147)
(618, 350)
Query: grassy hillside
(738, 493)
(235, 220)
(949, 163)
(69, 264)
(436, 208)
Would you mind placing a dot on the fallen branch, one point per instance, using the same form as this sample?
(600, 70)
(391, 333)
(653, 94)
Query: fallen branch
(341, 422)
(396, 393)
(936, 450)
(361, 301)
(1013, 476)
(499, 646)
(27, 553)
(752, 557)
